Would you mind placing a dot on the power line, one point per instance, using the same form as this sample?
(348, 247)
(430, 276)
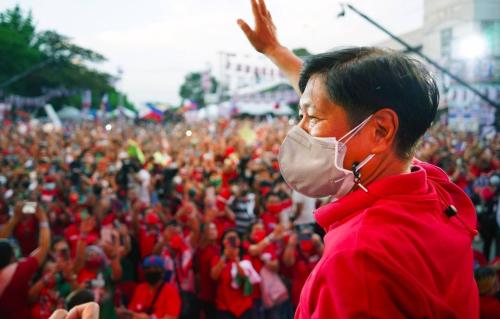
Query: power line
(417, 51)
(25, 73)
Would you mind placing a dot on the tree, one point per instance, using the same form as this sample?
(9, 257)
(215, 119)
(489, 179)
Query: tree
(301, 52)
(192, 88)
(17, 35)
(63, 64)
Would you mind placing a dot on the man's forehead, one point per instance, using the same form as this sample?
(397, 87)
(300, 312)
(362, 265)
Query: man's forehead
(314, 93)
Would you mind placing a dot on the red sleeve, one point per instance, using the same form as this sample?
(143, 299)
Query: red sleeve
(136, 299)
(214, 261)
(26, 268)
(171, 304)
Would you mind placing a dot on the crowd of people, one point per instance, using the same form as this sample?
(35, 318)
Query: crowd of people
(183, 220)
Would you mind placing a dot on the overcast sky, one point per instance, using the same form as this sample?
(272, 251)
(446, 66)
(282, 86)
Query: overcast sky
(156, 42)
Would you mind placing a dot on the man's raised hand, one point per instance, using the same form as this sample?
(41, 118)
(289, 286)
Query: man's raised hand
(263, 38)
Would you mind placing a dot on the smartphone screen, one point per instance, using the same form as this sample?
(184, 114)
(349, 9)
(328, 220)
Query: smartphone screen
(29, 208)
(107, 234)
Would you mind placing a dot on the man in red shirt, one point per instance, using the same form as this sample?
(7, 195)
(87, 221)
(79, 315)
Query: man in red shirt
(15, 276)
(155, 298)
(399, 233)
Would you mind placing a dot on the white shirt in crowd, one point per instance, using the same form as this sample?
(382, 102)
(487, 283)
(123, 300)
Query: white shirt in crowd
(144, 179)
(308, 206)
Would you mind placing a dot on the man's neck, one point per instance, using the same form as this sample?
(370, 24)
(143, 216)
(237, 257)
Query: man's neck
(389, 165)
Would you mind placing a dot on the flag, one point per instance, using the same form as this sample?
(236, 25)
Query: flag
(189, 106)
(153, 113)
(134, 150)
(247, 134)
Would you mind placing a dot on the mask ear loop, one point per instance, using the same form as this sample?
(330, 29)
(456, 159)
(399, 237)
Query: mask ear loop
(357, 174)
(355, 130)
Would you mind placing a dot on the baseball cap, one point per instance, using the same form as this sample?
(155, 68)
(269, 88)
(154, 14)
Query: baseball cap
(153, 261)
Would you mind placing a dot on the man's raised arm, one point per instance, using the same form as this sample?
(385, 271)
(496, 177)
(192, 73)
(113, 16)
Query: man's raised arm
(264, 39)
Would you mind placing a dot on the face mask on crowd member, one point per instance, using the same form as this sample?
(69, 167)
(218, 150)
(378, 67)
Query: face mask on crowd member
(356, 127)
(94, 258)
(258, 233)
(153, 269)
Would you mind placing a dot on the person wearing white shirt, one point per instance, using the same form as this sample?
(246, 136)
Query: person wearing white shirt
(303, 209)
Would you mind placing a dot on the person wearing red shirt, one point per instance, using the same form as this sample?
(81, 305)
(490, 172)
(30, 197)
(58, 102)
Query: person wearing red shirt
(15, 276)
(399, 233)
(302, 253)
(273, 208)
(489, 289)
(155, 298)
(25, 233)
(231, 300)
(207, 251)
(262, 252)
(149, 234)
(223, 216)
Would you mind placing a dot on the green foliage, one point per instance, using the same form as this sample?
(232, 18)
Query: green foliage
(192, 88)
(301, 52)
(50, 60)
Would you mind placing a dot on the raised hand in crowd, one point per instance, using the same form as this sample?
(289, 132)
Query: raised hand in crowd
(6, 230)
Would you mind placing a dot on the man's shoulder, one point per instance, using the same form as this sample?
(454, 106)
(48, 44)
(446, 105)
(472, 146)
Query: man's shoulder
(27, 263)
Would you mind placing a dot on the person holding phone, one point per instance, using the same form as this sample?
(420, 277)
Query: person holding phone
(155, 297)
(302, 252)
(231, 300)
(15, 276)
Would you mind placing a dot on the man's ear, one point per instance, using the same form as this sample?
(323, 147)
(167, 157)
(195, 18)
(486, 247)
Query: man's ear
(385, 126)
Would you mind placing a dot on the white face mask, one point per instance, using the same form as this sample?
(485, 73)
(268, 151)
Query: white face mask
(313, 166)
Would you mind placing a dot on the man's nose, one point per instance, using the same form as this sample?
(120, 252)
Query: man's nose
(303, 125)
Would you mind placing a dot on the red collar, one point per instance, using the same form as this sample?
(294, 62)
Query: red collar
(354, 202)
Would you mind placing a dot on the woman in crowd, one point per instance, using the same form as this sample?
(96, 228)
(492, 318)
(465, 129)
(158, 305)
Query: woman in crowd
(234, 291)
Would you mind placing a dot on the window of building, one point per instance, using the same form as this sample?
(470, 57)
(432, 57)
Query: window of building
(446, 37)
(491, 31)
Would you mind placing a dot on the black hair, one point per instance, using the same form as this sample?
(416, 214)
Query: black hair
(271, 193)
(79, 297)
(55, 240)
(363, 80)
(6, 253)
(224, 235)
(227, 231)
(483, 273)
